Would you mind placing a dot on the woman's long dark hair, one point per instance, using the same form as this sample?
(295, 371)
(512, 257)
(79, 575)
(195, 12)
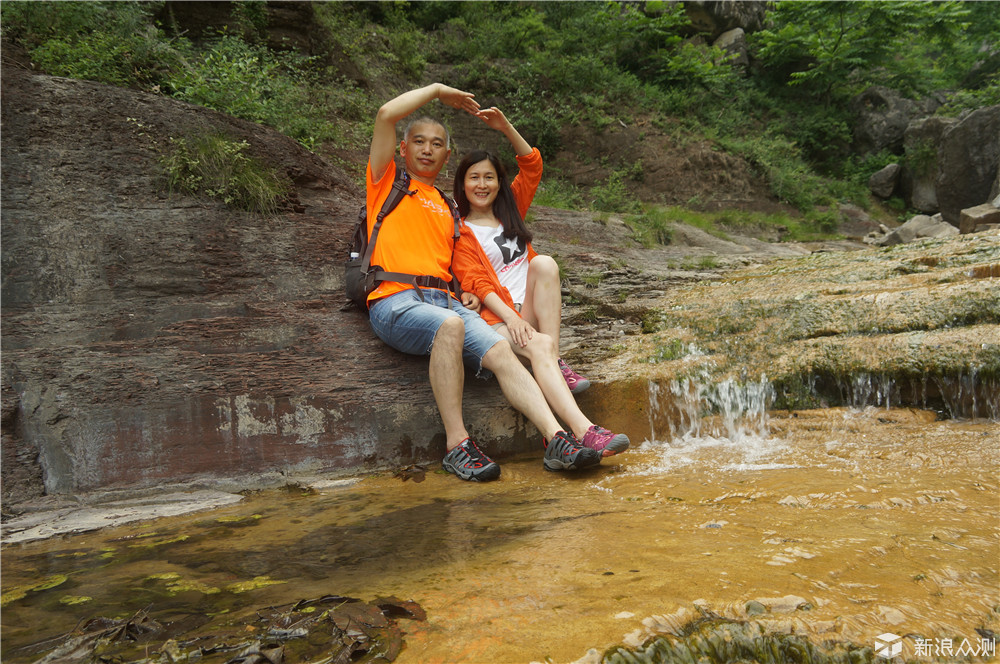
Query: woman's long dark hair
(504, 206)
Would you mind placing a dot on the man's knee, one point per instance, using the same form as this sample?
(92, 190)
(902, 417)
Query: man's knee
(452, 330)
(498, 355)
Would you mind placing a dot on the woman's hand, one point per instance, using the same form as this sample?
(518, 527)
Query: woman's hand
(520, 331)
(455, 98)
(494, 119)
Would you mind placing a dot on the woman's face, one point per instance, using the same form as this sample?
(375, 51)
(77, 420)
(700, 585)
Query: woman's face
(481, 186)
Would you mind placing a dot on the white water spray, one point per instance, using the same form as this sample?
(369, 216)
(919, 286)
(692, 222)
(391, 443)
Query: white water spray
(693, 416)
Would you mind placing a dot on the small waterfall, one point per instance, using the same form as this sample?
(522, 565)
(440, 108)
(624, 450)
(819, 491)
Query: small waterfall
(693, 414)
(967, 396)
(697, 407)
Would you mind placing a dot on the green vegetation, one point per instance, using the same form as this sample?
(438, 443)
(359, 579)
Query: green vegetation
(219, 167)
(551, 65)
(652, 226)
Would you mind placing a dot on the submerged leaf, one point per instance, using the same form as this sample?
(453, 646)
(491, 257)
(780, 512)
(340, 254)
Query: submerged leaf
(253, 584)
(414, 472)
(397, 608)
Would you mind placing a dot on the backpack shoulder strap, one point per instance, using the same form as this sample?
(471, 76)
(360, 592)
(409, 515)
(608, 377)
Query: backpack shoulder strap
(400, 188)
(455, 214)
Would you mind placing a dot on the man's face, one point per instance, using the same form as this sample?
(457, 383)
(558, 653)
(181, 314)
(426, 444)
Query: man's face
(425, 150)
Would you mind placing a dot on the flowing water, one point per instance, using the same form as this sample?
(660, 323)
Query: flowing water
(844, 526)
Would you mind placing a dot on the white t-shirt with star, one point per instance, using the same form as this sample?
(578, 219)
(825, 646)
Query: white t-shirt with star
(508, 256)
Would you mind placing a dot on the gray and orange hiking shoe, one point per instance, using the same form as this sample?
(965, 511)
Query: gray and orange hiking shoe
(605, 442)
(574, 381)
(564, 452)
(470, 463)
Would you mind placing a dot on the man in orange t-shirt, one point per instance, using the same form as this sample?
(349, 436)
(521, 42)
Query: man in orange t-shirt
(417, 238)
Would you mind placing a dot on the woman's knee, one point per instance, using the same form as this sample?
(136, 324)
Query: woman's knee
(544, 267)
(541, 345)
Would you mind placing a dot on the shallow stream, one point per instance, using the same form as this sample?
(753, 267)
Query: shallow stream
(839, 525)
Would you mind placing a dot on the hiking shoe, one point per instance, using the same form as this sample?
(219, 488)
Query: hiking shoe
(574, 381)
(470, 463)
(605, 442)
(564, 452)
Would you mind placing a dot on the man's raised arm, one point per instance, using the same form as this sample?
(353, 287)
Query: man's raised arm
(384, 135)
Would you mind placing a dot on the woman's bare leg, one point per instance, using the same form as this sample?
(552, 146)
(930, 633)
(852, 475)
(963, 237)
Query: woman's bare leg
(542, 305)
(541, 353)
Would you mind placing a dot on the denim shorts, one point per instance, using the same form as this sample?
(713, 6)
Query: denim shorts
(409, 325)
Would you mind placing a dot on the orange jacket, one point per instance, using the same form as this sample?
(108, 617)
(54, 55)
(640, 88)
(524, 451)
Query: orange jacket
(471, 265)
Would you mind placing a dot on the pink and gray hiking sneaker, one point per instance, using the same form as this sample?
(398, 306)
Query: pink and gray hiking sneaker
(574, 381)
(605, 442)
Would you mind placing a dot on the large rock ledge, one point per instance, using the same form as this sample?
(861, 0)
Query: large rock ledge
(156, 342)
(152, 338)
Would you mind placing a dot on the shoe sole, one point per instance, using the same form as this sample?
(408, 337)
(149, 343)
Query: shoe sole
(616, 445)
(485, 474)
(582, 460)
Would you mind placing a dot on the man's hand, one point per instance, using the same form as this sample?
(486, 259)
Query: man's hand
(455, 98)
(471, 302)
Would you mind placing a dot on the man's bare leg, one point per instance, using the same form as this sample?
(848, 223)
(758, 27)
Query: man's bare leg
(447, 376)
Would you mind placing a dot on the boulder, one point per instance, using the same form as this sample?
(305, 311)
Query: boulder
(881, 117)
(921, 143)
(920, 226)
(968, 160)
(734, 42)
(979, 217)
(883, 183)
(717, 16)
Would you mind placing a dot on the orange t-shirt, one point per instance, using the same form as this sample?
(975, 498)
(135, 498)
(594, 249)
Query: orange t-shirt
(415, 238)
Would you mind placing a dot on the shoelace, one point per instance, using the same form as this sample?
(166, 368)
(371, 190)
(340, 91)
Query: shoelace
(564, 442)
(476, 457)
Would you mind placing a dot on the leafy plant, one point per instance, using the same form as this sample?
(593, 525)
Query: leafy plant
(558, 193)
(219, 167)
(108, 42)
(614, 196)
(651, 227)
(833, 49)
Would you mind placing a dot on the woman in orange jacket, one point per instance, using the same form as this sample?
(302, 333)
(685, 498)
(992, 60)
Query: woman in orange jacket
(519, 288)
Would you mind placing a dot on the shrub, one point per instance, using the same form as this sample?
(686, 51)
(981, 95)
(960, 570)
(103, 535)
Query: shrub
(613, 196)
(108, 42)
(256, 84)
(218, 166)
(651, 227)
(558, 193)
